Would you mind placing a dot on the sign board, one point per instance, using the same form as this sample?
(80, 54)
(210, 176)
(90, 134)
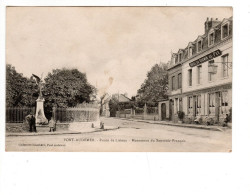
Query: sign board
(212, 69)
(205, 58)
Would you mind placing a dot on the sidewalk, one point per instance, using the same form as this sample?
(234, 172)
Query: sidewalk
(59, 132)
(193, 126)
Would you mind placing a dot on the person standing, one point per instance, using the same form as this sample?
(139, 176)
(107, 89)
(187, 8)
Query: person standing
(52, 125)
(29, 119)
(33, 123)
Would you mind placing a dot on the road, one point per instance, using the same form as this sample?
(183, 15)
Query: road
(130, 137)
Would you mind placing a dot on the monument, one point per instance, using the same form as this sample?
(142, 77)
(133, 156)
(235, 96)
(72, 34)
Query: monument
(40, 116)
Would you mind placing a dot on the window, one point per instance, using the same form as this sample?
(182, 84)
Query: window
(224, 98)
(180, 56)
(190, 51)
(190, 104)
(211, 73)
(199, 46)
(176, 105)
(180, 104)
(212, 100)
(176, 59)
(211, 39)
(224, 60)
(211, 97)
(190, 77)
(173, 82)
(224, 102)
(179, 81)
(199, 68)
(225, 31)
(198, 105)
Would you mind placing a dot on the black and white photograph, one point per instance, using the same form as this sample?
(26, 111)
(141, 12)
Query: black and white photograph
(119, 79)
(124, 97)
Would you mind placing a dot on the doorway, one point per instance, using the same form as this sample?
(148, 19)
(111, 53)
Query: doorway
(163, 111)
(217, 106)
(171, 110)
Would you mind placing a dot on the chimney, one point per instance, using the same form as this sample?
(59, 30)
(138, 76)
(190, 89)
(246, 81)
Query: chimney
(211, 23)
(206, 25)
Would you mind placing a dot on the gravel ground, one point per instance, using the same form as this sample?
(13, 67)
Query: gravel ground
(131, 137)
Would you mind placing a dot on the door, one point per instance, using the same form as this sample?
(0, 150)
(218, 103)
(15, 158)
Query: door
(163, 111)
(171, 110)
(195, 106)
(217, 106)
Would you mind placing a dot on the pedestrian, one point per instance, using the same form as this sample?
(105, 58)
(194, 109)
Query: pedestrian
(52, 125)
(28, 120)
(33, 123)
(226, 120)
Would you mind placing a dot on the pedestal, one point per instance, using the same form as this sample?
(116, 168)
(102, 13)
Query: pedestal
(40, 117)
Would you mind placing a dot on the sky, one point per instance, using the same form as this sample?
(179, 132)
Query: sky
(114, 46)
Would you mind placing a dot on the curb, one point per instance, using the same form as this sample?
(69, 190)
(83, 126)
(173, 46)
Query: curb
(177, 125)
(38, 134)
(59, 133)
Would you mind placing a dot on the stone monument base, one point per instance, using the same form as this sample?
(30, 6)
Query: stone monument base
(40, 117)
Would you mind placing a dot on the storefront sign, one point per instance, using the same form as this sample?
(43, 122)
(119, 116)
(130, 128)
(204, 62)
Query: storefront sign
(205, 58)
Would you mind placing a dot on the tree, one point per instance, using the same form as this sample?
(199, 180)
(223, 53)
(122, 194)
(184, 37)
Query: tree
(155, 85)
(20, 91)
(66, 88)
(103, 101)
(113, 107)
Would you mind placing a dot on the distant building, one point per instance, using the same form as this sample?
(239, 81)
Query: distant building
(200, 76)
(121, 98)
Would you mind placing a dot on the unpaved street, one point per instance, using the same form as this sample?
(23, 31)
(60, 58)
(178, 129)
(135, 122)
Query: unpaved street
(131, 136)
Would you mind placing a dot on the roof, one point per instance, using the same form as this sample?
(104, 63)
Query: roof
(121, 97)
(216, 28)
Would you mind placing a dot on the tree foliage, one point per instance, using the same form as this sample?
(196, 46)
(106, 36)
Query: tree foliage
(155, 85)
(62, 88)
(20, 91)
(66, 88)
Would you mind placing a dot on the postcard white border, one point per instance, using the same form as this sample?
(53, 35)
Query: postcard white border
(138, 173)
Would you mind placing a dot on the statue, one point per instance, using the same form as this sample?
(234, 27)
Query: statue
(40, 116)
(39, 83)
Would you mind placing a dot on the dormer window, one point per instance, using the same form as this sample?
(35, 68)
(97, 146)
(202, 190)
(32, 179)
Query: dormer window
(199, 45)
(211, 38)
(180, 56)
(224, 31)
(190, 51)
(176, 59)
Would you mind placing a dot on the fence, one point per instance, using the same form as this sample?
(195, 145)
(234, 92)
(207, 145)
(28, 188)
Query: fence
(146, 113)
(127, 113)
(18, 114)
(152, 110)
(82, 113)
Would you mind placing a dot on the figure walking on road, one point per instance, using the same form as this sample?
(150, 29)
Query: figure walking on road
(52, 125)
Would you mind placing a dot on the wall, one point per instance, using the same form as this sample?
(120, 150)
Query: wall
(226, 48)
(174, 72)
(159, 109)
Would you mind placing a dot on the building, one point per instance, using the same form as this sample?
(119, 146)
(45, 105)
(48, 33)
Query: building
(200, 76)
(121, 98)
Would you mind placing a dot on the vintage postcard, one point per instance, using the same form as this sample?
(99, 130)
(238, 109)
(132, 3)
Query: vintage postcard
(119, 79)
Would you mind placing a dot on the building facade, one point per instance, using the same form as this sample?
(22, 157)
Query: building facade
(205, 70)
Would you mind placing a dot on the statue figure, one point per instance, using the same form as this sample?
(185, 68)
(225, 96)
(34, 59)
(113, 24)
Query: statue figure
(40, 116)
(39, 83)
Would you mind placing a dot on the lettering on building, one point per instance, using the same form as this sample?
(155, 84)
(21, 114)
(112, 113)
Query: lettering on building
(205, 58)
